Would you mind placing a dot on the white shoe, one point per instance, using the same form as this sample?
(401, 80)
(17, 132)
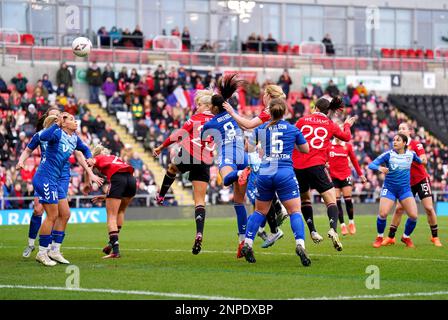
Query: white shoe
(317, 238)
(333, 235)
(57, 256)
(272, 238)
(27, 252)
(43, 258)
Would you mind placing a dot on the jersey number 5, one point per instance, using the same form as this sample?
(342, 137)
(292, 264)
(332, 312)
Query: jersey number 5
(276, 143)
(319, 134)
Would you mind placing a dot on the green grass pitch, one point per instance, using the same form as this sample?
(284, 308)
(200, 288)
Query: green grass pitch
(157, 263)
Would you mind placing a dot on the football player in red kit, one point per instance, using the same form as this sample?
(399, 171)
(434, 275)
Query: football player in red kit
(311, 172)
(420, 185)
(122, 190)
(341, 174)
(195, 157)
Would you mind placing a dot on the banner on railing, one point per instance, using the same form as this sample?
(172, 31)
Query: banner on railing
(377, 83)
(338, 81)
(442, 208)
(78, 215)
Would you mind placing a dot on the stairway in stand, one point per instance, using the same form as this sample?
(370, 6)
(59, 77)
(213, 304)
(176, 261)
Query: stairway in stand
(183, 196)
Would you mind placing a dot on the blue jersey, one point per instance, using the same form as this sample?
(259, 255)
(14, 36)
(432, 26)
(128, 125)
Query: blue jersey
(59, 148)
(278, 142)
(228, 138)
(399, 166)
(35, 142)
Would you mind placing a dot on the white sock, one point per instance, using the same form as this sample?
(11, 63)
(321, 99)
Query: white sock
(249, 242)
(43, 249)
(405, 236)
(261, 229)
(351, 221)
(56, 247)
(343, 224)
(380, 235)
(301, 242)
(31, 242)
(239, 172)
(241, 237)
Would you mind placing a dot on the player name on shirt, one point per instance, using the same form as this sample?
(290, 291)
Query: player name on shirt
(224, 118)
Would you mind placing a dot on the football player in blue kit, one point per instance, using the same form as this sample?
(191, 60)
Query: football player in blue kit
(278, 138)
(396, 186)
(50, 185)
(229, 141)
(58, 232)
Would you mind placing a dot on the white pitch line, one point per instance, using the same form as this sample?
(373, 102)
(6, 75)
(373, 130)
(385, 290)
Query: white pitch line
(196, 296)
(113, 291)
(260, 253)
(384, 296)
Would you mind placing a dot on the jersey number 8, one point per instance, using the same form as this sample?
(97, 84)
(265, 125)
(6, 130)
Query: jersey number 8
(317, 141)
(230, 131)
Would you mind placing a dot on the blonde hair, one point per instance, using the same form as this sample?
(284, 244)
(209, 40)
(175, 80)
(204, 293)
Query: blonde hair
(49, 121)
(203, 97)
(100, 149)
(274, 91)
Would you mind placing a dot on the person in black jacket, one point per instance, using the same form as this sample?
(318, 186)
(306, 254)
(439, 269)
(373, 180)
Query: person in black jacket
(329, 48)
(94, 79)
(137, 37)
(108, 73)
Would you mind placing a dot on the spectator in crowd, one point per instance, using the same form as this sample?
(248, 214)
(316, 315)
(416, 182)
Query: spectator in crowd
(15, 100)
(329, 48)
(115, 35)
(308, 91)
(253, 92)
(332, 90)
(317, 90)
(61, 90)
(175, 31)
(206, 47)
(270, 44)
(115, 103)
(361, 90)
(94, 79)
(285, 82)
(3, 104)
(252, 42)
(159, 74)
(108, 73)
(20, 82)
(136, 162)
(186, 41)
(134, 76)
(104, 37)
(109, 88)
(126, 39)
(137, 110)
(63, 76)
(3, 86)
(44, 91)
(138, 37)
(47, 84)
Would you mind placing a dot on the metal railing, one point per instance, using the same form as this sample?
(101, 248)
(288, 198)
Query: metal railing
(362, 197)
(217, 59)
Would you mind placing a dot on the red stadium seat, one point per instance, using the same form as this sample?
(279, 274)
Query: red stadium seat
(429, 54)
(386, 53)
(280, 49)
(419, 53)
(402, 53)
(295, 50)
(411, 53)
(27, 39)
(148, 44)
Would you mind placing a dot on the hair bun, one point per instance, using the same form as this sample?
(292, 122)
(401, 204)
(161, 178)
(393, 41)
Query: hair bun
(336, 103)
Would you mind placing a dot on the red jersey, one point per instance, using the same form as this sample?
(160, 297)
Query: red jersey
(189, 137)
(109, 164)
(318, 130)
(338, 155)
(418, 171)
(264, 116)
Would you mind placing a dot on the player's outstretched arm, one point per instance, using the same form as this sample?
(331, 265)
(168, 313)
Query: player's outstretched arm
(25, 155)
(49, 134)
(245, 124)
(91, 177)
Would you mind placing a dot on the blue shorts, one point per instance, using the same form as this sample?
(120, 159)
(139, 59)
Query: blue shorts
(396, 194)
(283, 182)
(251, 187)
(63, 184)
(45, 189)
(240, 163)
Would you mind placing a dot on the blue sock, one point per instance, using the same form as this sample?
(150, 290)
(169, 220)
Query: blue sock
(58, 236)
(231, 178)
(410, 226)
(380, 224)
(254, 222)
(241, 217)
(263, 224)
(44, 240)
(35, 223)
(297, 226)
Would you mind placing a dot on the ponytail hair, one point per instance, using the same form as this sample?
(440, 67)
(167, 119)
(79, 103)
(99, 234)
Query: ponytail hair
(226, 87)
(40, 121)
(324, 105)
(277, 109)
(274, 91)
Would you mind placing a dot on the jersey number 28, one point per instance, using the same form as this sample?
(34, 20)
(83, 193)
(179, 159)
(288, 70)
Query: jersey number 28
(319, 134)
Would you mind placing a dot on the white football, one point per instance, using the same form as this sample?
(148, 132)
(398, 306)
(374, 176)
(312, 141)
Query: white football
(81, 46)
